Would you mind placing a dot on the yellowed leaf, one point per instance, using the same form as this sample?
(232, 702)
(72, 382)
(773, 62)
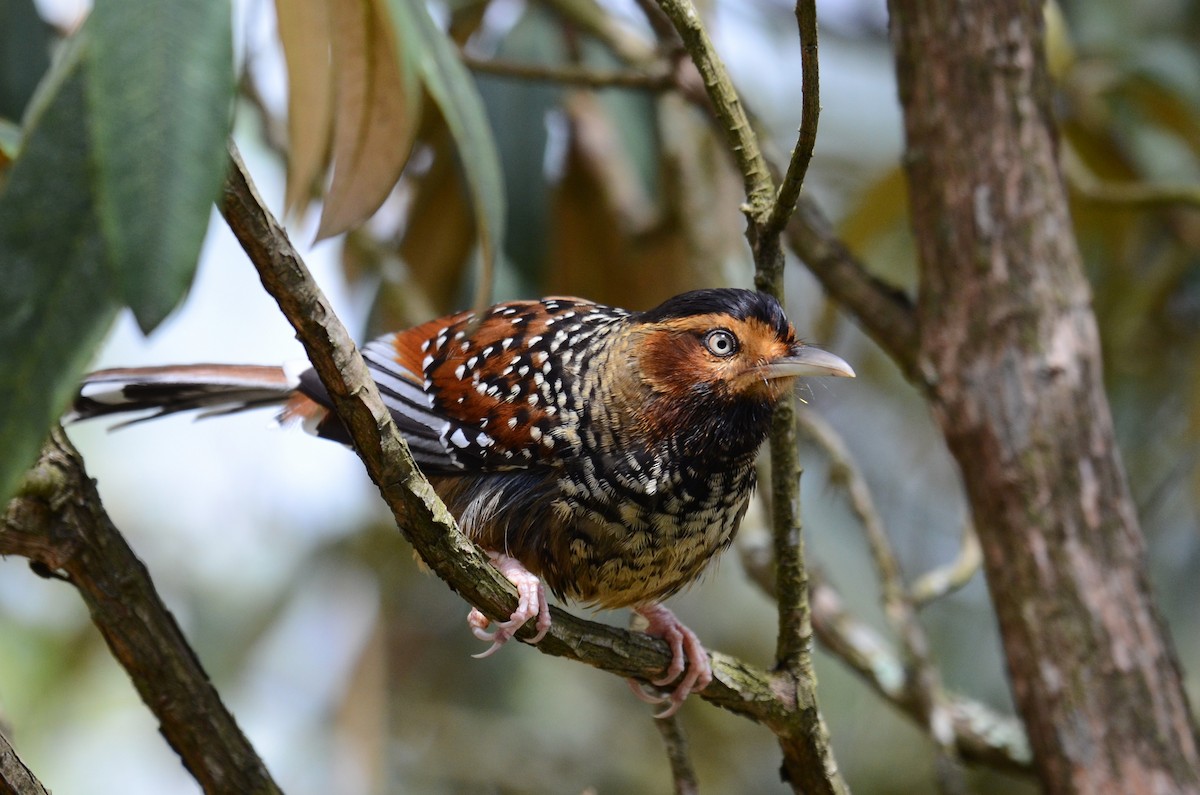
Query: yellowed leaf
(375, 114)
(305, 35)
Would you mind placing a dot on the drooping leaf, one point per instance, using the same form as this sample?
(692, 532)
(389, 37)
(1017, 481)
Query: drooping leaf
(159, 86)
(58, 299)
(375, 114)
(453, 90)
(304, 31)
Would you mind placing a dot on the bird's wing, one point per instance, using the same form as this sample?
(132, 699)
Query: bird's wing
(481, 396)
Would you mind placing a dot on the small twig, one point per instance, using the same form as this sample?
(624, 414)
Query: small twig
(15, 777)
(939, 582)
(682, 774)
(57, 520)
(920, 672)
(810, 111)
(657, 80)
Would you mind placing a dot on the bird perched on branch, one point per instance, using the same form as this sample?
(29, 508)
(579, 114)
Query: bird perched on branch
(606, 454)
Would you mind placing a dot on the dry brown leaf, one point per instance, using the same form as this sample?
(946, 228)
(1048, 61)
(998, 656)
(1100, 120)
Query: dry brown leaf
(304, 31)
(375, 117)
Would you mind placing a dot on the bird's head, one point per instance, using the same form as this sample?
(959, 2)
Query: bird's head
(724, 355)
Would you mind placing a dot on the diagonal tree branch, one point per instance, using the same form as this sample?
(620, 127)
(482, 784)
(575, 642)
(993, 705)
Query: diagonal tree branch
(15, 778)
(59, 524)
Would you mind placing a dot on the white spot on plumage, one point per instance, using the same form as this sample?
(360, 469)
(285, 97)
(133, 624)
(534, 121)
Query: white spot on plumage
(460, 371)
(506, 343)
(512, 422)
(535, 432)
(487, 351)
(523, 370)
(534, 340)
(533, 398)
(466, 346)
(428, 360)
(459, 438)
(474, 360)
(481, 388)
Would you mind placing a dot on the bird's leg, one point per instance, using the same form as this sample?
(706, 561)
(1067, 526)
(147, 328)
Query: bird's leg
(685, 648)
(531, 602)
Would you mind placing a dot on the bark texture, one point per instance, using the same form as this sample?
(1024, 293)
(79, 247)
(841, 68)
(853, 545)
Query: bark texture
(1010, 354)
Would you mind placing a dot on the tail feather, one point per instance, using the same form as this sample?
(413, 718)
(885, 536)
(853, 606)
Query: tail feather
(214, 389)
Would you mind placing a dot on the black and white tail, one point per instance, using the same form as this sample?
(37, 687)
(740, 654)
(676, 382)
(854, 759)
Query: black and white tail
(214, 389)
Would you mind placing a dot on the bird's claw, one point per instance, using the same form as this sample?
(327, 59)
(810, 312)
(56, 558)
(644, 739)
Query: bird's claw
(531, 595)
(686, 650)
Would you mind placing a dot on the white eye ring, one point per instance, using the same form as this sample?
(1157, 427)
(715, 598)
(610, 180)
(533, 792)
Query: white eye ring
(721, 342)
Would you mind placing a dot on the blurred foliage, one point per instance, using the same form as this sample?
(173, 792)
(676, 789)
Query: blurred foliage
(627, 196)
(106, 203)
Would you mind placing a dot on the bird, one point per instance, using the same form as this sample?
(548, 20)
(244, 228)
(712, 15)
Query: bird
(604, 454)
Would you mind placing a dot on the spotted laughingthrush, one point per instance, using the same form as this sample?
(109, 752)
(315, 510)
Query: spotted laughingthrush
(606, 454)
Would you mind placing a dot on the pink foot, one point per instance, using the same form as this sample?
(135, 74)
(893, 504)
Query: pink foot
(532, 602)
(685, 648)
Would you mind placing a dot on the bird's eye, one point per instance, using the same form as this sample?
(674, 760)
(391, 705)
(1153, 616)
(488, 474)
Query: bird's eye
(721, 342)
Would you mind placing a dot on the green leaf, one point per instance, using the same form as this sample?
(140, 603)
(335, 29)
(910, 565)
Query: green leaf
(453, 90)
(160, 83)
(25, 41)
(57, 300)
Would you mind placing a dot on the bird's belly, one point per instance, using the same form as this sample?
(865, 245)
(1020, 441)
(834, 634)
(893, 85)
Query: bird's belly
(648, 553)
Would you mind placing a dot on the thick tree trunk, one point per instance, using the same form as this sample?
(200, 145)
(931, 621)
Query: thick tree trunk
(1010, 351)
